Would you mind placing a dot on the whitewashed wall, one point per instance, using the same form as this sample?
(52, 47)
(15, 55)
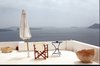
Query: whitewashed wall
(8, 44)
(76, 45)
(23, 46)
(70, 45)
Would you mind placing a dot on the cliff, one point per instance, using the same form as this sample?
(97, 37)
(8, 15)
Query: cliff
(94, 26)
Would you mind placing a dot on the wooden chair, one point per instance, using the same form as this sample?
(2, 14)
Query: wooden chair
(40, 49)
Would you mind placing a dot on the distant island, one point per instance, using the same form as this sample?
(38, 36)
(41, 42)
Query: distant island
(3, 30)
(94, 26)
(14, 28)
(17, 28)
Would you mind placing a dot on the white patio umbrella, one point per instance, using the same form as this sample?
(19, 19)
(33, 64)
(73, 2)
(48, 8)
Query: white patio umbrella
(24, 29)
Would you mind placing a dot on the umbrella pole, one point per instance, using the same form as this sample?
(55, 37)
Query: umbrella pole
(27, 48)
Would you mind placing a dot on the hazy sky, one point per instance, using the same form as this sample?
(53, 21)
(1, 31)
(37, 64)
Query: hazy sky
(51, 13)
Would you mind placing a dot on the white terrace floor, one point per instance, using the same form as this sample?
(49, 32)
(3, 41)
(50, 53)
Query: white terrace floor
(20, 58)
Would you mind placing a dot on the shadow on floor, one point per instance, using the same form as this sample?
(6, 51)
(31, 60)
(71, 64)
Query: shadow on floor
(39, 59)
(80, 63)
(17, 59)
(42, 59)
(54, 56)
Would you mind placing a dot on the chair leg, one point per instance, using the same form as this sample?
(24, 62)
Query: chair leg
(34, 52)
(44, 56)
(47, 51)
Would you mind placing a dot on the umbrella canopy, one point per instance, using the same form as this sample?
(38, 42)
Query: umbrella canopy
(24, 29)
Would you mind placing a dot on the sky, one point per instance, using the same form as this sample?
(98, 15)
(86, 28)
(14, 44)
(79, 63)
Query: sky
(50, 13)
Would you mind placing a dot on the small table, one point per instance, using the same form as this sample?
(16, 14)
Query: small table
(56, 44)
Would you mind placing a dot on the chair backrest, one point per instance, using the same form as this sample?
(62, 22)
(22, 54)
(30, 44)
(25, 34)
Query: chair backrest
(39, 46)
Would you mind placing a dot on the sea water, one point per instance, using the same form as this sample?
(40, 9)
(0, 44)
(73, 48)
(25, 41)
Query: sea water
(87, 35)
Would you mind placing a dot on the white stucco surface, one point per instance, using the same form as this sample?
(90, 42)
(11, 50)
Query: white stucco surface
(20, 58)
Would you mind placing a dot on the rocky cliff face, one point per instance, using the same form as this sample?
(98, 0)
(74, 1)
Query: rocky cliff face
(95, 26)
